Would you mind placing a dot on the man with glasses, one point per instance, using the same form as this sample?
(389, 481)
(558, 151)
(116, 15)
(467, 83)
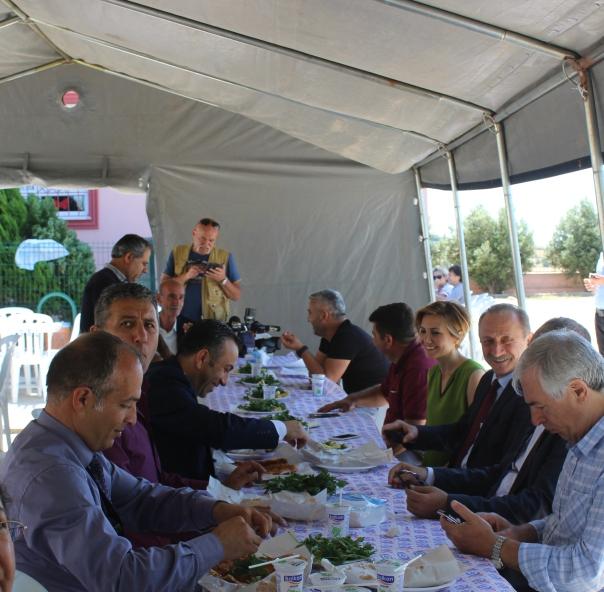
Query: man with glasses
(77, 505)
(442, 288)
(209, 274)
(561, 378)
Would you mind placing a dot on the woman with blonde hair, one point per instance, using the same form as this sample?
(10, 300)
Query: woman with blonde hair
(441, 327)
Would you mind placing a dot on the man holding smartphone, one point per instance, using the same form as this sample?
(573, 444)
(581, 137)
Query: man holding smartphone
(595, 283)
(209, 274)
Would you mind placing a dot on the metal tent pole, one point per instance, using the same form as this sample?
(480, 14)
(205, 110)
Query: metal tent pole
(595, 150)
(462, 245)
(425, 235)
(511, 215)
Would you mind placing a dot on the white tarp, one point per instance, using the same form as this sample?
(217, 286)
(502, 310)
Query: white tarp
(258, 112)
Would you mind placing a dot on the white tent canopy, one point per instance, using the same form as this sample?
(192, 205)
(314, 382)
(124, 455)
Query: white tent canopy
(294, 122)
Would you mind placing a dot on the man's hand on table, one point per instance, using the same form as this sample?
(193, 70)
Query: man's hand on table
(398, 432)
(344, 405)
(237, 538)
(475, 535)
(296, 434)
(260, 522)
(290, 341)
(400, 481)
(245, 473)
(424, 500)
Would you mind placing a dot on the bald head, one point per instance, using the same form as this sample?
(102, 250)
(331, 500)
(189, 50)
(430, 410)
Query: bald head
(171, 298)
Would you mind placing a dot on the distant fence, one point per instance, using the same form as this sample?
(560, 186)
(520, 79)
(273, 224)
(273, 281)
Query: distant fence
(20, 287)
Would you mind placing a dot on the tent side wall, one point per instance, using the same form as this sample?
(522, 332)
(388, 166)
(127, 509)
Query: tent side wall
(299, 228)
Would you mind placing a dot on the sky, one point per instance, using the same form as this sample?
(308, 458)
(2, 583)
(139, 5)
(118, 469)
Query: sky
(541, 204)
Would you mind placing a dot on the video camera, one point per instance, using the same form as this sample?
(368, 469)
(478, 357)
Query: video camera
(247, 330)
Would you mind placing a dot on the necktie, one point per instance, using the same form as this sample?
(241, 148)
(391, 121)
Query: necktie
(479, 419)
(95, 470)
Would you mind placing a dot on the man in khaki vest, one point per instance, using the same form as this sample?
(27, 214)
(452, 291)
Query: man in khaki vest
(209, 274)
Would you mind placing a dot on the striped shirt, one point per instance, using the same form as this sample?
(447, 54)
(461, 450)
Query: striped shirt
(570, 556)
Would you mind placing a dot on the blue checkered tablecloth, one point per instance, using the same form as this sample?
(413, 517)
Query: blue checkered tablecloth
(415, 534)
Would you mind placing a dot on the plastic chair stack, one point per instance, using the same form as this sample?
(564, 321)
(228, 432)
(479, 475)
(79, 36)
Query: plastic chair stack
(33, 351)
(7, 347)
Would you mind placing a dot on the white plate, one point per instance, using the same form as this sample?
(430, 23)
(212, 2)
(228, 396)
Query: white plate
(240, 411)
(286, 396)
(355, 570)
(345, 469)
(430, 588)
(329, 450)
(250, 454)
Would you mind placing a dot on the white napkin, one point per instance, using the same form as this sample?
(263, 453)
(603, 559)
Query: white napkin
(367, 455)
(438, 566)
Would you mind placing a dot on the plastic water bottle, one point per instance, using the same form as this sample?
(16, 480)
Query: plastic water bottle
(257, 363)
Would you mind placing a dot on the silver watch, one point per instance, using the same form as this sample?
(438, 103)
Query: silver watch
(496, 552)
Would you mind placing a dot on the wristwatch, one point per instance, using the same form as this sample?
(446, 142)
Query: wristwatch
(496, 552)
(301, 351)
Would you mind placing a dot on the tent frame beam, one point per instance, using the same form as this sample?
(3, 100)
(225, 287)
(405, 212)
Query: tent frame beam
(11, 20)
(448, 155)
(34, 70)
(295, 54)
(113, 46)
(25, 18)
(511, 214)
(424, 237)
(595, 149)
(470, 24)
(538, 90)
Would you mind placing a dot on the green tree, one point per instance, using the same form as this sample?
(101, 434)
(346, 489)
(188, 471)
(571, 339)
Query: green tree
(576, 243)
(35, 218)
(488, 250)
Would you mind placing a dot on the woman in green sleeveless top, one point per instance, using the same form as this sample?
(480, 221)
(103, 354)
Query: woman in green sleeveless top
(441, 327)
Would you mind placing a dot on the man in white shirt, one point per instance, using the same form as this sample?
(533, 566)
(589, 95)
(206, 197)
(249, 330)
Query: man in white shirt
(595, 283)
(171, 297)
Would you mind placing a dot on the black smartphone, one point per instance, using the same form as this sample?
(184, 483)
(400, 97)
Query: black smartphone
(344, 437)
(449, 517)
(413, 474)
(394, 436)
(320, 415)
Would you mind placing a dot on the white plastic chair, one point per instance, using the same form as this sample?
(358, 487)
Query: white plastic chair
(75, 329)
(10, 311)
(33, 352)
(7, 348)
(25, 583)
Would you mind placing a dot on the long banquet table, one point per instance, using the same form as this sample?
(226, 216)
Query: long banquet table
(416, 534)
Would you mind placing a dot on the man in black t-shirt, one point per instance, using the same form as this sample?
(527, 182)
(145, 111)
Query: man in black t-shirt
(346, 351)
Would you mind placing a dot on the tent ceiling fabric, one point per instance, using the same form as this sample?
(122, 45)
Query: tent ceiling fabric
(276, 61)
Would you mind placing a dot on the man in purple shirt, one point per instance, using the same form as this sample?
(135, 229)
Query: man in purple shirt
(76, 504)
(405, 387)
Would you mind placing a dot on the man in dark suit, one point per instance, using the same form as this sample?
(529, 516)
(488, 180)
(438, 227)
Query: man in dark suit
(185, 431)
(129, 260)
(521, 488)
(498, 420)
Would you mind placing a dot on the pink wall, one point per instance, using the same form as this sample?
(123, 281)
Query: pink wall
(118, 214)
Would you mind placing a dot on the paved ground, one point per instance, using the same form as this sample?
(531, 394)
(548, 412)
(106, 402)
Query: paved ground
(540, 309)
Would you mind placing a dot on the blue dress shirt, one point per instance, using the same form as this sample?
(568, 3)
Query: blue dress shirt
(570, 557)
(70, 545)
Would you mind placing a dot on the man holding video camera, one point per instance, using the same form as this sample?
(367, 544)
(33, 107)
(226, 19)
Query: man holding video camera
(209, 274)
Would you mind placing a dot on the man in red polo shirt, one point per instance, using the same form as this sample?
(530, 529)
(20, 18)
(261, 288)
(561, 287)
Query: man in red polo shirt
(405, 388)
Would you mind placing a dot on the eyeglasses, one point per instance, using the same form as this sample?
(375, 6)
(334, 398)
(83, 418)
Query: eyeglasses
(14, 528)
(437, 277)
(209, 222)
